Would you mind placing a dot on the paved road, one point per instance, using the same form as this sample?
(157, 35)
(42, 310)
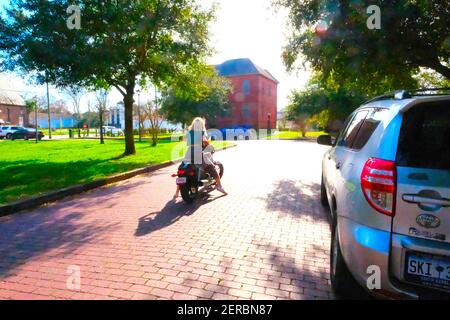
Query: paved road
(268, 239)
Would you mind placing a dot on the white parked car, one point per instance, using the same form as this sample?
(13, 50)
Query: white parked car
(7, 131)
(113, 131)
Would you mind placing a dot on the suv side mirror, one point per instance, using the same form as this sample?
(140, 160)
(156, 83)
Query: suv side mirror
(325, 140)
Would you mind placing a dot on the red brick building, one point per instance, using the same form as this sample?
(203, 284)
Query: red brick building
(12, 109)
(254, 96)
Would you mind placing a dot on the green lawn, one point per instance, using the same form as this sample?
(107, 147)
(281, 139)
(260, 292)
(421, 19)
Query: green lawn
(296, 134)
(29, 169)
(57, 132)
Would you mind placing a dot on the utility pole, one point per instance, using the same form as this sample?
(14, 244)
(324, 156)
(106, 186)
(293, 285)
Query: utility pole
(36, 117)
(48, 110)
(156, 98)
(156, 112)
(139, 114)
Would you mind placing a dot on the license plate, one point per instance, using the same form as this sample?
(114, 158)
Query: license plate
(428, 270)
(181, 181)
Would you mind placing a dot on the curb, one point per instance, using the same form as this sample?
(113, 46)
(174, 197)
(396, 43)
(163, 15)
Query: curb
(53, 196)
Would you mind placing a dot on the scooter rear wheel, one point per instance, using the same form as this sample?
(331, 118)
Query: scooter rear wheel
(189, 193)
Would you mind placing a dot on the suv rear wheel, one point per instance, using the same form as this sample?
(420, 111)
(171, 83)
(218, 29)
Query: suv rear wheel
(343, 284)
(323, 194)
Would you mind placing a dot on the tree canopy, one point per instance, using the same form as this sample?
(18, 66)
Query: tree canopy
(323, 102)
(182, 107)
(119, 44)
(334, 38)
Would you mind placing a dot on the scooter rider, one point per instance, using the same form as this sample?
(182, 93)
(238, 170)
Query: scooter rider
(200, 152)
(209, 165)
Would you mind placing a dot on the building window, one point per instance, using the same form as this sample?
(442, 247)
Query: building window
(246, 111)
(270, 90)
(246, 87)
(8, 116)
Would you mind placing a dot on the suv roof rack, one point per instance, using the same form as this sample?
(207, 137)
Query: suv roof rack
(407, 94)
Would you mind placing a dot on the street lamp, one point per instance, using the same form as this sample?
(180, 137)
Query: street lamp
(139, 114)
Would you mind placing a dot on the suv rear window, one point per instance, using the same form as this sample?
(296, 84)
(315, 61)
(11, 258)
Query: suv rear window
(368, 128)
(425, 137)
(349, 135)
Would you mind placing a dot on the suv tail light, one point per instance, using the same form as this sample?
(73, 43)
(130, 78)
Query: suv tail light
(378, 182)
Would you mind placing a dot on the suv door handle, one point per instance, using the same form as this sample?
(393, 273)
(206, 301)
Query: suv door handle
(412, 198)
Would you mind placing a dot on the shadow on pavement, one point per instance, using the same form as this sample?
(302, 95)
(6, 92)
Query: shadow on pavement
(107, 196)
(171, 213)
(29, 235)
(312, 284)
(298, 199)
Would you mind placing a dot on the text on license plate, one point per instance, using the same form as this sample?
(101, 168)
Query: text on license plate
(429, 267)
(181, 181)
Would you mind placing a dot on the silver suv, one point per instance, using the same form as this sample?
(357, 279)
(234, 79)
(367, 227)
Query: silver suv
(386, 180)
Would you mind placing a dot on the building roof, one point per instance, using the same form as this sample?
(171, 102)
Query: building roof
(8, 94)
(11, 98)
(239, 67)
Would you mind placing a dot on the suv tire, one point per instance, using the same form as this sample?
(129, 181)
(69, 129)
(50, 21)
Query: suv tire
(323, 194)
(343, 284)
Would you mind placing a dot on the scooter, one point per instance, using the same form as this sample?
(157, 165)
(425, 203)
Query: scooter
(193, 181)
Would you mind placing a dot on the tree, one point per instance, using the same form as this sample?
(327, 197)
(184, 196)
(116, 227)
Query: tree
(59, 106)
(75, 94)
(181, 106)
(31, 105)
(41, 102)
(431, 79)
(102, 102)
(120, 44)
(334, 38)
(324, 102)
(154, 116)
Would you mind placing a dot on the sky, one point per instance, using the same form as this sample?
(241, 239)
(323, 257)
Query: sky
(243, 29)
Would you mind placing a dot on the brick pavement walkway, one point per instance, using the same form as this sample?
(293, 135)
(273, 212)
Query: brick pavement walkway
(269, 239)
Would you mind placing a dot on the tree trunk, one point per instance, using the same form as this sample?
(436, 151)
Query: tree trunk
(154, 138)
(129, 137)
(102, 141)
(445, 71)
(437, 66)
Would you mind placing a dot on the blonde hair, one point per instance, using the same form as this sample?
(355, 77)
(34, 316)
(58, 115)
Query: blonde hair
(198, 124)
